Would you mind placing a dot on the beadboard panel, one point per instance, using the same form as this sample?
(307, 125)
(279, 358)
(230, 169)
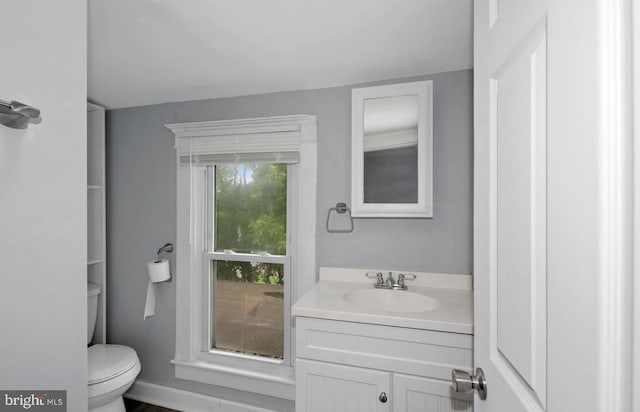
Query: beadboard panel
(323, 387)
(416, 394)
(412, 351)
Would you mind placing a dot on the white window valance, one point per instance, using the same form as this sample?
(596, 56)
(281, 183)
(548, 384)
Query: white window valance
(257, 140)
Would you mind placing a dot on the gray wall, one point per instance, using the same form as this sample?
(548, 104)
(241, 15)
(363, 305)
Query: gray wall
(43, 201)
(141, 200)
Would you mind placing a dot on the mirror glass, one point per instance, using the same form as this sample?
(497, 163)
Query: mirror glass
(391, 162)
(390, 146)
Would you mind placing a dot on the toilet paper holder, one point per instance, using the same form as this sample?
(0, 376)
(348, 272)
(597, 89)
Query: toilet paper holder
(159, 269)
(167, 248)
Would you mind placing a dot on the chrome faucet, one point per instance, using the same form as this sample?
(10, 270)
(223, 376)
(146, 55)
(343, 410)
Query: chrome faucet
(390, 282)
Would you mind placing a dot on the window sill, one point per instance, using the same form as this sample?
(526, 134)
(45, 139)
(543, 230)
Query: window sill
(278, 386)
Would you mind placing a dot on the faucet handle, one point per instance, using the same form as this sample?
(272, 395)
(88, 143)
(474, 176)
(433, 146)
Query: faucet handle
(377, 276)
(405, 276)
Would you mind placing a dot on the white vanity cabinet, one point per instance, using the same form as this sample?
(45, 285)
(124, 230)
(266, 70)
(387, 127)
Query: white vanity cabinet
(359, 367)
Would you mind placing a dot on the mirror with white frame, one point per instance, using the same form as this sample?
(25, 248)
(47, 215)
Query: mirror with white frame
(391, 150)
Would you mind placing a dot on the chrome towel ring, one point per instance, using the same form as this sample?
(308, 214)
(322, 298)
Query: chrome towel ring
(340, 208)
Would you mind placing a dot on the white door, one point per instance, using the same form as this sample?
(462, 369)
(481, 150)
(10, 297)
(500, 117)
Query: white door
(550, 261)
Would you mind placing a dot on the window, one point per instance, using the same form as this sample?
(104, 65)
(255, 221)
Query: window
(248, 259)
(245, 250)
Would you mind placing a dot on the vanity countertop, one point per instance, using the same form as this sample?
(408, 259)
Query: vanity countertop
(326, 300)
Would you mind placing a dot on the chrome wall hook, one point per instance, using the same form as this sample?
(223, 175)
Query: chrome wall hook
(340, 208)
(18, 115)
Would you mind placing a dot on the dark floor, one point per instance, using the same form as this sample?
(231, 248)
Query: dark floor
(135, 406)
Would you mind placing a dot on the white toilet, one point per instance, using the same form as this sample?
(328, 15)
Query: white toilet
(112, 368)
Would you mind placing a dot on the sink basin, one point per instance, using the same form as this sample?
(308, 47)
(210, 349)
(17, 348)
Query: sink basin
(395, 301)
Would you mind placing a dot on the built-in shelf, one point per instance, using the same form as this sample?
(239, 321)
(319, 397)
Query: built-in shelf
(96, 213)
(94, 261)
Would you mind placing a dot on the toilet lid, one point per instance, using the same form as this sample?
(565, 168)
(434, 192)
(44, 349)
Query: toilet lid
(109, 361)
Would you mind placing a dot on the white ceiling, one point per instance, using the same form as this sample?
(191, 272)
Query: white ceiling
(155, 51)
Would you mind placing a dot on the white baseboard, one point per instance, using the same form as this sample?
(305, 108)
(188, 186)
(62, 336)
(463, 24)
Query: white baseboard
(184, 401)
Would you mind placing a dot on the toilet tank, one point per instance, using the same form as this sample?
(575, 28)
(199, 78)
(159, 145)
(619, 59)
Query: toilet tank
(93, 291)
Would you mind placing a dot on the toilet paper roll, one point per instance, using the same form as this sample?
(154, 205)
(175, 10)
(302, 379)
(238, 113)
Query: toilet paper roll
(158, 272)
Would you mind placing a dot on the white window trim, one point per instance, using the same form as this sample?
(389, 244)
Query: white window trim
(191, 358)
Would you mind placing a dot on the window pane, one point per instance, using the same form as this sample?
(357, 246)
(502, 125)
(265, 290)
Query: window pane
(251, 208)
(249, 308)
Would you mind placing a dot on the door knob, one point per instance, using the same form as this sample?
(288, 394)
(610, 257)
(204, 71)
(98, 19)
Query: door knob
(464, 382)
(383, 397)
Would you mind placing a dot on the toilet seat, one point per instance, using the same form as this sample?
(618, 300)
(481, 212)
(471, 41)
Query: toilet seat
(107, 362)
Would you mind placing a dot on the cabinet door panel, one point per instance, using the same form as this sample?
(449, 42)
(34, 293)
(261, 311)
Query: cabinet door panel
(415, 394)
(323, 387)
